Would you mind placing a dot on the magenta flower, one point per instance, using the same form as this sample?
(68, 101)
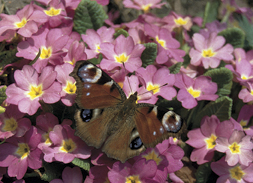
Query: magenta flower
(70, 175)
(211, 51)
(75, 53)
(246, 93)
(140, 171)
(123, 51)
(68, 93)
(50, 43)
(30, 87)
(66, 146)
(193, 90)
(244, 118)
(159, 82)
(237, 173)
(97, 174)
(26, 21)
(12, 123)
(102, 2)
(238, 148)
(20, 153)
(99, 158)
(3, 171)
(144, 5)
(214, 26)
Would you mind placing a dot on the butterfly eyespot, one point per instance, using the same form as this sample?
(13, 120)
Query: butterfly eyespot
(86, 115)
(171, 122)
(136, 143)
(89, 73)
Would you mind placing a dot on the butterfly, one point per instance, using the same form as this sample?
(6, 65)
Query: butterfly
(107, 119)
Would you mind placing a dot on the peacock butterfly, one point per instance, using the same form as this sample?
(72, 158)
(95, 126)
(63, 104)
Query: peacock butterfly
(107, 118)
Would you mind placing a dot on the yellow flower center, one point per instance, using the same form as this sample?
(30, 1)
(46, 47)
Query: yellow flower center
(180, 21)
(45, 52)
(97, 48)
(52, 11)
(122, 58)
(68, 146)
(194, 93)
(230, 8)
(161, 42)
(23, 150)
(35, 91)
(70, 88)
(10, 124)
(210, 142)
(243, 123)
(235, 148)
(46, 137)
(236, 173)
(154, 156)
(244, 77)
(146, 7)
(208, 53)
(133, 179)
(154, 88)
(21, 24)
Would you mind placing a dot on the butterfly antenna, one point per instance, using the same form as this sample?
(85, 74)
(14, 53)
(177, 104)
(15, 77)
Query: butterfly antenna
(127, 77)
(153, 89)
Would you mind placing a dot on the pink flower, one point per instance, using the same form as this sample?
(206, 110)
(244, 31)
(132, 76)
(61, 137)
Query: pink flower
(244, 116)
(193, 90)
(70, 175)
(20, 153)
(30, 87)
(26, 21)
(211, 51)
(238, 148)
(144, 5)
(12, 123)
(50, 43)
(214, 26)
(246, 93)
(124, 51)
(75, 53)
(102, 2)
(159, 82)
(68, 93)
(236, 173)
(66, 146)
(97, 174)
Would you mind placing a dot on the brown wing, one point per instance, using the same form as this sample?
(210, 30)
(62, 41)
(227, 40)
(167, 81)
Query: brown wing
(95, 89)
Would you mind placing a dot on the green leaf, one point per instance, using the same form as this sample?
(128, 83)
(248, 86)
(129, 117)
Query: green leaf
(221, 108)
(3, 95)
(52, 171)
(174, 69)
(96, 61)
(211, 12)
(234, 36)
(88, 15)
(36, 58)
(120, 32)
(8, 57)
(203, 173)
(223, 77)
(148, 56)
(84, 164)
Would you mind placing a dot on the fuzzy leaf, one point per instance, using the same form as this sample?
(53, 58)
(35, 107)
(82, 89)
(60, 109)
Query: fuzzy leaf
(174, 69)
(203, 173)
(88, 15)
(96, 61)
(148, 56)
(52, 171)
(8, 57)
(119, 32)
(84, 164)
(221, 108)
(3, 95)
(234, 36)
(211, 12)
(223, 77)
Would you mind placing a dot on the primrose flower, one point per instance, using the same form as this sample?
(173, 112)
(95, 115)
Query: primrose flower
(70, 175)
(50, 43)
(97, 174)
(214, 26)
(144, 5)
(30, 88)
(159, 82)
(124, 51)
(193, 90)
(20, 153)
(26, 21)
(12, 123)
(66, 146)
(246, 94)
(238, 148)
(244, 116)
(236, 173)
(68, 93)
(211, 51)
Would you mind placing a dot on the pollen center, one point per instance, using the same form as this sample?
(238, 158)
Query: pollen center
(180, 21)
(208, 53)
(97, 48)
(133, 179)
(243, 123)
(35, 91)
(146, 7)
(194, 93)
(23, 150)
(68, 146)
(70, 88)
(161, 42)
(210, 142)
(154, 156)
(10, 124)
(154, 88)
(45, 52)
(122, 58)
(21, 24)
(236, 173)
(235, 148)
(244, 77)
(52, 11)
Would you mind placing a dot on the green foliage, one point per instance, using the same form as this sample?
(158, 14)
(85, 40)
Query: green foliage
(8, 57)
(3, 95)
(52, 171)
(234, 36)
(84, 164)
(203, 173)
(96, 61)
(223, 77)
(174, 69)
(88, 15)
(211, 12)
(120, 32)
(148, 56)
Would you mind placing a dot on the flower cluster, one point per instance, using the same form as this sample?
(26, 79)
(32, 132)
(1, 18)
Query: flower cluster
(199, 72)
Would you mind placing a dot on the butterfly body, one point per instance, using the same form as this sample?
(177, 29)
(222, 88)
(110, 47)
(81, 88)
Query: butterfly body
(107, 119)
